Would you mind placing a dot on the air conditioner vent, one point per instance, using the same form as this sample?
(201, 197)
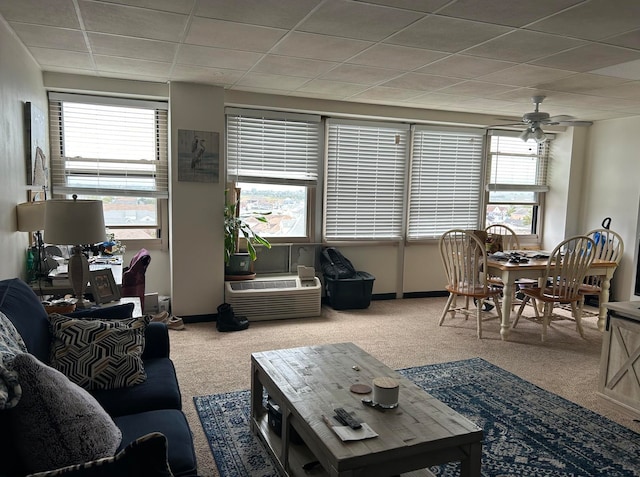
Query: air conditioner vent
(274, 298)
(263, 284)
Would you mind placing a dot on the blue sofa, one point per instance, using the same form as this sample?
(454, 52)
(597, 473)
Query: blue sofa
(153, 406)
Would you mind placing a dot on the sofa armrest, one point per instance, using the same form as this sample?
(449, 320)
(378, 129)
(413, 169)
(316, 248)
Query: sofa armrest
(156, 341)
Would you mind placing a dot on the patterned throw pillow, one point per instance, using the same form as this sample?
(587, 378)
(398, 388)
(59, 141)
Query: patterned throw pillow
(145, 457)
(99, 354)
(57, 423)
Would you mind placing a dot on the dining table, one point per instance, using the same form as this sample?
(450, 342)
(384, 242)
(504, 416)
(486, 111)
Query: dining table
(534, 268)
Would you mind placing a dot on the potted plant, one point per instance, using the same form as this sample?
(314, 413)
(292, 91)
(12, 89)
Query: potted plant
(237, 263)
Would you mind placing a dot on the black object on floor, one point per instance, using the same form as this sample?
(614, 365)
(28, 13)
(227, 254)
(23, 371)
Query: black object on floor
(229, 321)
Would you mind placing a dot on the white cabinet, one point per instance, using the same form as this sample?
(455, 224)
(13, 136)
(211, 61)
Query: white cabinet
(619, 379)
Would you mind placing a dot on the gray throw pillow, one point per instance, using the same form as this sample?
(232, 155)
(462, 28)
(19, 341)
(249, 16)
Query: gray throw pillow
(144, 457)
(99, 354)
(57, 423)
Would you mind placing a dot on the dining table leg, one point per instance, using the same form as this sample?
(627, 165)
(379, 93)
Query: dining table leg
(507, 296)
(603, 299)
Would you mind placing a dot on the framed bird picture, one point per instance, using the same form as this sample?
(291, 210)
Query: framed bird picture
(198, 156)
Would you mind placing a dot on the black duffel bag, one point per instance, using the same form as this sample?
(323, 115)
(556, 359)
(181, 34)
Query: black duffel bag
(335, 265)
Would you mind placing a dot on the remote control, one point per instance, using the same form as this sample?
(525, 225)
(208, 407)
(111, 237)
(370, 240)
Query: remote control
(347, 419)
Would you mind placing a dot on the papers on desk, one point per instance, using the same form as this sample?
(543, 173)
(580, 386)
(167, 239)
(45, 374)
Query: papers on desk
(345, 433)
(506, 255)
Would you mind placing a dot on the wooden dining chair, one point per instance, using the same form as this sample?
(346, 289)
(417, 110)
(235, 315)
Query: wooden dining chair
(507, 235)
(464, 258)
(610, 247)
(564, 275)
(509, 241)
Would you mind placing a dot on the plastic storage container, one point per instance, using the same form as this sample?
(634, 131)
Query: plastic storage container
(349, 293)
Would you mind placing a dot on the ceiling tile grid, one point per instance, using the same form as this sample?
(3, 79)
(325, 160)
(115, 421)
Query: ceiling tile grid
(484, 56)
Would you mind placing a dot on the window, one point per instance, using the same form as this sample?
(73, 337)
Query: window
(273, 157)
(114, 150)
(515, 181)
(446, 174)
(366, 169)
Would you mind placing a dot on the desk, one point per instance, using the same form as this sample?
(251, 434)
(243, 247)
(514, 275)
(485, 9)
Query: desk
(44, 286)
(535, 268)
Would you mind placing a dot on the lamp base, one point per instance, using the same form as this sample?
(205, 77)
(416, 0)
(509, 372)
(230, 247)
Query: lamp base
(83, 304)
(79, 275)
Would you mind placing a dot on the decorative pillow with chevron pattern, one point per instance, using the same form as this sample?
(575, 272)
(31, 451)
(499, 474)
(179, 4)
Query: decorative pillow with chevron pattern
(99, 354)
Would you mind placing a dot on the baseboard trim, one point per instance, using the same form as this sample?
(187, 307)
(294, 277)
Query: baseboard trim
(200, 318)
(430, 294)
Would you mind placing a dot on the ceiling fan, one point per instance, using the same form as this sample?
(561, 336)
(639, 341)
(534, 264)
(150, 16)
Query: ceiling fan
(536, 118)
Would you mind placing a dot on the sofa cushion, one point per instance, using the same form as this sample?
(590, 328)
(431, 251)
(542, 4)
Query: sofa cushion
(115, 312)
(145, 457)
(57, 423)
(159, 391)
(22, 306)
(174, 426)
(99, 354)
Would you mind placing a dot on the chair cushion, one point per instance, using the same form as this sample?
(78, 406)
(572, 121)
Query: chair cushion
(145, 457)
(57, 423)
(99, 354)
(159, 391)
(173, 424)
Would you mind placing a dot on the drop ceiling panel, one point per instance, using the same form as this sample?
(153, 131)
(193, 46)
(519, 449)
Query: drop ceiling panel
(132, 21)
(458, 55)
(446, 34)
(273, 13)
(357, 20)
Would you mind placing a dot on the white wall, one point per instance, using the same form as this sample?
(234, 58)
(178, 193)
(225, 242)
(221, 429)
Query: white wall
(20, 81)
(196, 209)
(612, 185)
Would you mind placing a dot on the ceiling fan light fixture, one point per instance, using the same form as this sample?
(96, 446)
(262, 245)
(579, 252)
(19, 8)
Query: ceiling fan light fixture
(526, 135)
(538, 135)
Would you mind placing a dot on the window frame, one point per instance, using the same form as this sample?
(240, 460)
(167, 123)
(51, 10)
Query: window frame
(539, 189)
(462, 135)
(395, 225)
(304, 165)
(160, 192)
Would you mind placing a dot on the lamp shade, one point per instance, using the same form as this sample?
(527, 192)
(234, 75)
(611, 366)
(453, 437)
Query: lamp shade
(74, 222)
(31, 216)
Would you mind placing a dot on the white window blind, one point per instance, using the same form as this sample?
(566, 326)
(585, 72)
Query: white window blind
(516, 165)
(366, 168)
(446, 174)
(108, 146)
(272, 147)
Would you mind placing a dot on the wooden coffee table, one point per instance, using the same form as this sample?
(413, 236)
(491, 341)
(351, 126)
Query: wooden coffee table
(310, 382)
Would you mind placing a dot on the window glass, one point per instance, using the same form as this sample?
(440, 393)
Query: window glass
(286, 207)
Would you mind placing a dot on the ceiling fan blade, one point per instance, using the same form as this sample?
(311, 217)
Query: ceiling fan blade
(560, 117)
(570, 123)
(506, 124)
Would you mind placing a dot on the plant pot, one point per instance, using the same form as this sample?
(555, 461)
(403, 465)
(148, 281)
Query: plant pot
(239, 267)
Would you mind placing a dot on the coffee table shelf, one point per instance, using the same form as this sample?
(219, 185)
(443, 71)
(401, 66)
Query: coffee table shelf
(312, 381)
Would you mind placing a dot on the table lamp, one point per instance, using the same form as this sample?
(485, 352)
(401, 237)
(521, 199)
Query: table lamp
(31, 219)
(75, 222)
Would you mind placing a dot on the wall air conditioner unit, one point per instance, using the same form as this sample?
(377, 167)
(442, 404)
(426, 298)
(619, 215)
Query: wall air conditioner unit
(275, 297)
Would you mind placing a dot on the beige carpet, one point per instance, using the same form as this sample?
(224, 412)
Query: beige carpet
(400, 333)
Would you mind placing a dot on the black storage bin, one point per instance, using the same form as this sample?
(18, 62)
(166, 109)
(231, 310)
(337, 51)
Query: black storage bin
(274, 418)
(349, 293)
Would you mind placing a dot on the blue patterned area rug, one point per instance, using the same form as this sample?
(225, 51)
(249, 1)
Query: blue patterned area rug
(528, 431)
